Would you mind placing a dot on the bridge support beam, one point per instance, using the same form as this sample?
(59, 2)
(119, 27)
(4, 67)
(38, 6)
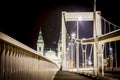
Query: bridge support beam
(63, 42)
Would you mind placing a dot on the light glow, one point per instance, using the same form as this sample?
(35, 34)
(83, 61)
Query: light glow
(79, 18)
(73, 35)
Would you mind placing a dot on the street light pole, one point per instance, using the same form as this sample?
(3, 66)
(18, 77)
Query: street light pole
(111, 58)
(72, 47)
(72, 52)
(77, 47)
(95, 37)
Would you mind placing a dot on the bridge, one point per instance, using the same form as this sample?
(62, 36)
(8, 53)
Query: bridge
(104, 33)
(82, 57)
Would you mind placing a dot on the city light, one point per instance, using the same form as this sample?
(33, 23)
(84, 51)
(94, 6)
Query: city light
(89, 62)
(79, 18)
(73, 35)
(67, 49)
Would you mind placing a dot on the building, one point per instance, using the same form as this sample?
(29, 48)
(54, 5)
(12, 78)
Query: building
(52, 55)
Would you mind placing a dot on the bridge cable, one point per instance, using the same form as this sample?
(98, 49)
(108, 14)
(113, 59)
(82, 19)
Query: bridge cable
(68, 34)
(115, 52)
(104, 32)
(109, 22)
(115, 27)
(109, 31)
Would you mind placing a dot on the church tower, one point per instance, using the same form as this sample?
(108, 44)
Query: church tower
(50, 54)
(40, 43)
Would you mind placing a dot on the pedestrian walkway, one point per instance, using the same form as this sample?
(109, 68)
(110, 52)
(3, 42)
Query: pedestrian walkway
(65, 75)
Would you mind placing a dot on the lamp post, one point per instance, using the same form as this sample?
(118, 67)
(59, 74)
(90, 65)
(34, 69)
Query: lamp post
(72, 49)
(95, 37)
(67, 57)
(69, 49)
(111, 58)
(77, 47)
(67, 54)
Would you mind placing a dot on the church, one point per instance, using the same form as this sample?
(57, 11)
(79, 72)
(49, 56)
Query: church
(54, 56)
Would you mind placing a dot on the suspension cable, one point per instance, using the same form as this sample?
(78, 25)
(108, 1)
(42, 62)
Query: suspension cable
(109, 31)
(104, 27)
(109, 22)
(68, 34)
(115, 52)
(104, 32)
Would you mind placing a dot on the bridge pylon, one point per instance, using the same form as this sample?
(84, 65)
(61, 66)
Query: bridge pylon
(85, 16)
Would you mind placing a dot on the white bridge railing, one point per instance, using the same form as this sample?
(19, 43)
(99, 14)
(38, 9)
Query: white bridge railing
(19, 62)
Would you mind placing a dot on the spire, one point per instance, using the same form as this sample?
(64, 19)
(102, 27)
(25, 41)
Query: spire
(40, 38)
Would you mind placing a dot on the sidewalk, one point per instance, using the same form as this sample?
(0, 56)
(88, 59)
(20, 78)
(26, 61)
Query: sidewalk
(65, 75)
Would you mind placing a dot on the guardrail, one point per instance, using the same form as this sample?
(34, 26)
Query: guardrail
(19, 62)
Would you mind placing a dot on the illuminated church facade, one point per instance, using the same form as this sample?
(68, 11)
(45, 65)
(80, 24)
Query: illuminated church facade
(54, 56)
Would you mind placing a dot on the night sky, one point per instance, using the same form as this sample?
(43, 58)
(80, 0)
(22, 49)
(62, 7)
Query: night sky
(22, 20)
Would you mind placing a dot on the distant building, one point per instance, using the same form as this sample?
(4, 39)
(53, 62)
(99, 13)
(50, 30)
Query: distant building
(50, 53)
(40, 43)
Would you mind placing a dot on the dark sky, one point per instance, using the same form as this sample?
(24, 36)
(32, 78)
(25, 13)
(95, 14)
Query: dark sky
(22, 20)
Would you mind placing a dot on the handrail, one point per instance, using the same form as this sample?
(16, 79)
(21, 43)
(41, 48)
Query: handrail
(21, 45)
(20, 62)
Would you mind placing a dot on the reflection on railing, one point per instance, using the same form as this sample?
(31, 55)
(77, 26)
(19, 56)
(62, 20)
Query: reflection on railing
(19, 62)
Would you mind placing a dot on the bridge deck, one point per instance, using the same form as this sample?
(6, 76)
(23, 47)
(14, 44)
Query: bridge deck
(64, 75)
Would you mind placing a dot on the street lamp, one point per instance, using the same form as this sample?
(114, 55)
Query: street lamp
(89, 62)
(79, 18)
(73, 35)
(77, 47)
(72, 50)
(111, 58)
(95, 44)
(67, 49)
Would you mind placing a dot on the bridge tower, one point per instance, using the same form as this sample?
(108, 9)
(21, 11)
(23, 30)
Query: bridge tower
(85, 16)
